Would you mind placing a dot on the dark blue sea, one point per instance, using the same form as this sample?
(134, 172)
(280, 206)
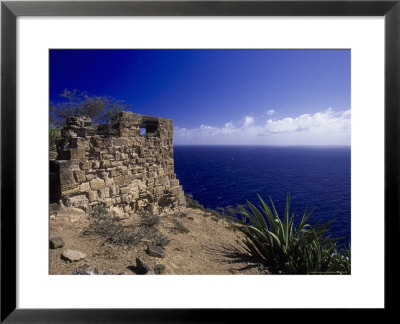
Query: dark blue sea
(315, 177)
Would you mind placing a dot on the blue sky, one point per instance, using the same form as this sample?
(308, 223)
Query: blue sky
(263, 97)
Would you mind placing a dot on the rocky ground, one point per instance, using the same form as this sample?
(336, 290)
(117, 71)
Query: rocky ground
(193, 242)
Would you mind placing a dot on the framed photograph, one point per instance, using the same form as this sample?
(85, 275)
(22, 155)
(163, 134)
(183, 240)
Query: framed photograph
(230, 151)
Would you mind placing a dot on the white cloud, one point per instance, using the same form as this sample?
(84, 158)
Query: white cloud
(248, 121)
(322, 128)
(270, 112)
(326, 121)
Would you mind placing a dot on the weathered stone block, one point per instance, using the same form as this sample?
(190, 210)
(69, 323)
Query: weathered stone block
(108, 202)
(152, 208)
(105, 164)
(68, 165)
(97, 184)
(108, 157)
(116, 163)
(77, 154)
(93, 196)
(125, 190)
(67, 178)
(69, 189)
(76, 201)
(104, 193)
(96, 164)
(80, 176)
(103, 175)
(114, 190)
(85, 165)
(84, 187)
(109, 182)
(126, 198)
(90, 176)
(150, 182)
(121, 181)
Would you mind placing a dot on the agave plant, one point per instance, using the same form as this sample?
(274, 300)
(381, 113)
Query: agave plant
(284, 248)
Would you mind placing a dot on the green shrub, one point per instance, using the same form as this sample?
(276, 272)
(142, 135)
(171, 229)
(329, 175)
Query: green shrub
(286, 249)
(148, 219)
(230, 212)
(152, 135)
(181, 215)
(153, 235)
(160, 240)
(178, 227)
(159, 268)
(213, 212)
(192, 203)
(215, 219)
(109, 226)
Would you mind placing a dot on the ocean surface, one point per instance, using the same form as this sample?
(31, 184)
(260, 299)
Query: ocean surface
(316, 177)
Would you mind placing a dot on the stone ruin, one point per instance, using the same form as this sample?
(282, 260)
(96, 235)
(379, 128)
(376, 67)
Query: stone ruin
(127, 164)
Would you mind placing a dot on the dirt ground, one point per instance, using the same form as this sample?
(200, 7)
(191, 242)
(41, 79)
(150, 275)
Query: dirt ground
(209, 246)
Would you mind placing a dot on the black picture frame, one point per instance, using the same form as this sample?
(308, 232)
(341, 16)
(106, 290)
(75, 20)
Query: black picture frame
(10, 10)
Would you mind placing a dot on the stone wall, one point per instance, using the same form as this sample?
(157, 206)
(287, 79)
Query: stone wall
(126, 164)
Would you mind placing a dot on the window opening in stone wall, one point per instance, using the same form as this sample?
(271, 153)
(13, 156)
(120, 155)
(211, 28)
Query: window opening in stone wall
(149, 129)
(142, 131)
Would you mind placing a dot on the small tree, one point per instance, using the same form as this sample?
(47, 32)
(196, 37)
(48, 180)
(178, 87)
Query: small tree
(78, 103)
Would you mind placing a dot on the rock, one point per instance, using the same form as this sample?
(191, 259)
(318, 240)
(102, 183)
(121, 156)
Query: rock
(116, 212)
(84, 187)
(152, 208)
(90, 177)
(72, 214)
(67, 178)
(56, 242)
(76, 201)
(72, 255)
(93, 196)
(142, 268)
(86, 269)
(69, 189)
(155, 251)
(103, 193)
(96, 165)
(80, 176)
(97, 184)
